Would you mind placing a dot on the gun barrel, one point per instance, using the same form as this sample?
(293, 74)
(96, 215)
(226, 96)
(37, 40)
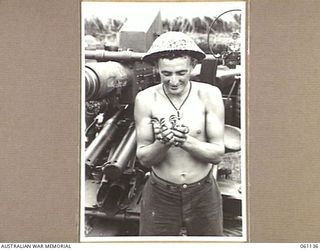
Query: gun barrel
(102, 78)
(104, 56)
(122, 155)
(103, 139)
(109, 195)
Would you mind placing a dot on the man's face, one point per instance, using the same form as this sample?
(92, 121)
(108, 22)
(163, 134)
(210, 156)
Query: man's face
(175, 74)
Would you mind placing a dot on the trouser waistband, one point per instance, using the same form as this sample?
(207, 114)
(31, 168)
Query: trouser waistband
(159, 180)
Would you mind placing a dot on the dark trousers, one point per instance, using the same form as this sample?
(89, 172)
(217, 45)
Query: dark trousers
(167, 207)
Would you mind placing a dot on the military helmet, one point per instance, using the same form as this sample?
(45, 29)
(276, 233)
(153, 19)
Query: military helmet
(173, 42)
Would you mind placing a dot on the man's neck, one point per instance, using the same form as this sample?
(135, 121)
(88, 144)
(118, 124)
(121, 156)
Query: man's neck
(179, 95)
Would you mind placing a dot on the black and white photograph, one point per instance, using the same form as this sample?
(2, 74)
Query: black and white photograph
(163, 122)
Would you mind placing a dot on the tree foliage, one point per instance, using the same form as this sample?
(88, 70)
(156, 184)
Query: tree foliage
(96, 27)
(196, 27)
(201, 25)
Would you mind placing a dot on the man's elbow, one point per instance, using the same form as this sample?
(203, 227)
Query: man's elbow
(216, 159)
(142, 159)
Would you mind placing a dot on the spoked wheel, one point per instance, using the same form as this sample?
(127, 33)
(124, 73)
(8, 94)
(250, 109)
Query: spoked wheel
(221, 50)
(224, 44)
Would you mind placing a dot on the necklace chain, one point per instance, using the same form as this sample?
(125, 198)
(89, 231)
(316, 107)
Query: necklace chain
(185, 99)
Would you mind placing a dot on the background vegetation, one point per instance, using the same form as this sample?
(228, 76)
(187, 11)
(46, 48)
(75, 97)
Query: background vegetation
(197, 28)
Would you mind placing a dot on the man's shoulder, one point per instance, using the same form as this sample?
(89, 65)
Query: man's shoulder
(210, 96)
(147, 94)
(207, 90)
(149, 90)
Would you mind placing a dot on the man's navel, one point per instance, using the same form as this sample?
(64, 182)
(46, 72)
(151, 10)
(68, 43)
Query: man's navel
(183, 176)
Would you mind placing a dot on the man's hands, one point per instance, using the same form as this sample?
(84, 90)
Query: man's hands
(180, 132)
(173, 134)
(161, 131)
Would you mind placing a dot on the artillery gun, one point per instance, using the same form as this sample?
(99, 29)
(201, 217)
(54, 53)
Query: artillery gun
(114, 178)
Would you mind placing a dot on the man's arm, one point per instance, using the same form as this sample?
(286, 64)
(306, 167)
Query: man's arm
(149, 151)
(212, 150)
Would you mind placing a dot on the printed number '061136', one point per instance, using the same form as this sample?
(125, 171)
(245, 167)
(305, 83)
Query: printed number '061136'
(309, 245)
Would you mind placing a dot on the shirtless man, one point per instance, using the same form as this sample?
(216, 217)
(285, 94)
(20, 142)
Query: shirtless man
(180, 126)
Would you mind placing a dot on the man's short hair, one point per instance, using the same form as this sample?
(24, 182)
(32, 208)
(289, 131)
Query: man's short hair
(176, 54)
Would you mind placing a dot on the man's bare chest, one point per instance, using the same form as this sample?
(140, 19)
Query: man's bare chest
(192, 114)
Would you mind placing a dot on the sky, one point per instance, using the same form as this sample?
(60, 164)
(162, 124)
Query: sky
(169, 10)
